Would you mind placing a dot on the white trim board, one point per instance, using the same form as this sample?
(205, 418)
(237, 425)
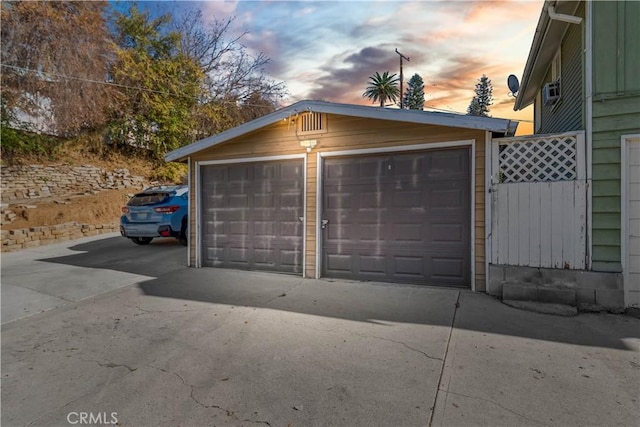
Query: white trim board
(198, 217)
(399, 149)
(304, 216)
(318, 214)
(252, 159)
(488, 187)
(189, 212)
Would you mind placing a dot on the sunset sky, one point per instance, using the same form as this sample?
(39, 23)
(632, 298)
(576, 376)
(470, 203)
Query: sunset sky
(327, 50)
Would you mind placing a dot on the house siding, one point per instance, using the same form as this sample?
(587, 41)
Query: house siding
(616, 112)
(348, 133)
(567, 114)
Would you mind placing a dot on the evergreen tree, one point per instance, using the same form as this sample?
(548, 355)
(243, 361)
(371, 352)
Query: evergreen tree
(414, 95)
(480, 103)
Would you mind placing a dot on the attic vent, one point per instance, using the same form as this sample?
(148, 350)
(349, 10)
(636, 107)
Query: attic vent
(313, 123)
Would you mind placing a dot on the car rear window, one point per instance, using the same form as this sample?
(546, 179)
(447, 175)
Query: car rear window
(144, 199)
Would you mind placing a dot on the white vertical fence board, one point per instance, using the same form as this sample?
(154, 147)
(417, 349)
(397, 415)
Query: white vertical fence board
(503, 215)
(513, 235)
(534, 221)
(495, 229)
(523, 223)
(580, 242)
(568, 230)
(556, 225)
(545, 224)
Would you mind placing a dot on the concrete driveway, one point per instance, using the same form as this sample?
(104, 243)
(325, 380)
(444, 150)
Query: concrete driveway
(169, 345)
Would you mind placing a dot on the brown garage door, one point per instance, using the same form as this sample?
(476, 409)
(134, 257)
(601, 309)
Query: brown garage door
(251, 216)
(398, 217)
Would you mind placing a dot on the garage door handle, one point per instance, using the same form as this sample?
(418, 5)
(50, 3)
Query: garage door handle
(324, 223)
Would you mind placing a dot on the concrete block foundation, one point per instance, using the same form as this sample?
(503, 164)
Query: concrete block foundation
(556, 286)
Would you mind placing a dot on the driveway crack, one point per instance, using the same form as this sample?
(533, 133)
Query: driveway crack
(147, 311)
(403, 344)
(109, 364)
(444, 361)
(284, 294)
(229, 412)
(410, 348)
(496, 404)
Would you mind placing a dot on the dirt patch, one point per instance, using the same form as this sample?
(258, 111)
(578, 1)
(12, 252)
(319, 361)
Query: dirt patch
(101, 208)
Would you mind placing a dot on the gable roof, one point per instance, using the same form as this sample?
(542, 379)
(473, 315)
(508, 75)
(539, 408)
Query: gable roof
(504, 126)
(546, 42)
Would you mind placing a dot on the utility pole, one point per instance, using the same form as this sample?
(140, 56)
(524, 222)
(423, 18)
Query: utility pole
(401, 78)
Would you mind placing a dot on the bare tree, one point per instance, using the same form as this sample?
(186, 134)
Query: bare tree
(54, 61)
(232, 74)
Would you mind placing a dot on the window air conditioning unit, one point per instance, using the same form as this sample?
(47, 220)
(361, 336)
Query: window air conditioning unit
(551, 93)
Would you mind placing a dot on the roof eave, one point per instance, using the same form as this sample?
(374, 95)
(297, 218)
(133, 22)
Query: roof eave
(546, 41)
(410, 116)
(536, 45)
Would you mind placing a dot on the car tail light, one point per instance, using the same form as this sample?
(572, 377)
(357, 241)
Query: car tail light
(164, 231)
(166, 209)
(125, 210)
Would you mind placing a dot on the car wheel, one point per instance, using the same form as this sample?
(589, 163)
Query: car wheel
(141, 240)
(183, 234)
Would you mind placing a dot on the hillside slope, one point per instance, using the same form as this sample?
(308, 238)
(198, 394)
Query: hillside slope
(86, 207)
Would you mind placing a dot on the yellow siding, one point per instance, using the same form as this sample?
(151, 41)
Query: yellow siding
(348, 133)
(312, 192)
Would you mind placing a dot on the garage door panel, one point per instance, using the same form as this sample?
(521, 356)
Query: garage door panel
(237, 175)
(371, 199)
(264, 228)
(407, 233)
(447, 267)
(407, 199)
(372, 264)
(409, 266)
(339, 263)
(264, 256)
(398, 217)
(447, 233)
(449, 199)
(290, 228)
(252, 211)
(264, 201)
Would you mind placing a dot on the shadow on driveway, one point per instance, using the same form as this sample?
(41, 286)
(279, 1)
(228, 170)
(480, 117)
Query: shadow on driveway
(381, 303)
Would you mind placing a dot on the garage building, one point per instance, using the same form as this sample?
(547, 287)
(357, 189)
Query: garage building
(322, 189)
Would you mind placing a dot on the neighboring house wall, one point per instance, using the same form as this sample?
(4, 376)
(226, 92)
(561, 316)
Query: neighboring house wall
(349, 133)
(567, 114)
(616, 112)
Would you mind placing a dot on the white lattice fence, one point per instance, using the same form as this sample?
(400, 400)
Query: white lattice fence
(539, 201)
(552, 158)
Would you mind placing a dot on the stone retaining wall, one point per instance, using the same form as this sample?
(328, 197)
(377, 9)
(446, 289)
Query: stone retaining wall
(38, 181)
(23, 238)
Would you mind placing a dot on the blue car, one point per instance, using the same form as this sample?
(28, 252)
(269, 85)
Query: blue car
(156, 212)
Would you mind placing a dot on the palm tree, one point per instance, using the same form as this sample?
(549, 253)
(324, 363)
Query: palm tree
(383, 88)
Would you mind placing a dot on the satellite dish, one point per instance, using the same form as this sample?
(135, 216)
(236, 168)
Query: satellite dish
(512, 82)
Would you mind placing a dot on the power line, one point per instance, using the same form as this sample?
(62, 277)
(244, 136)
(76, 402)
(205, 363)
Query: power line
(44, 73)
